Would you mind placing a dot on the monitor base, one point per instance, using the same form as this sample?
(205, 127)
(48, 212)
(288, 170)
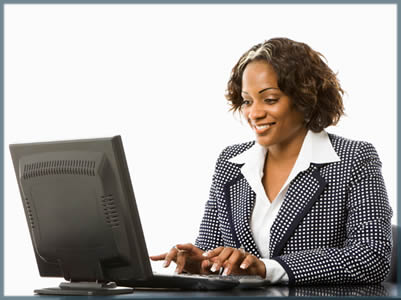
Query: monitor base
(85, 289)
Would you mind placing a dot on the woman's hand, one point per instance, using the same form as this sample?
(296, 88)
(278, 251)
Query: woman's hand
(187, 257)
(235, 261)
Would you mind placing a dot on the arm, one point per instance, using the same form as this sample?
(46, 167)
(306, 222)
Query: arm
(365, 255)
(209, 233)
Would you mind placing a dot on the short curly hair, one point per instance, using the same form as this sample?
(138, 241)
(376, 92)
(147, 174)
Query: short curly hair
(302, 75)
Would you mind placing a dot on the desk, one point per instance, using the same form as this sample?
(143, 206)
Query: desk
(380, 290)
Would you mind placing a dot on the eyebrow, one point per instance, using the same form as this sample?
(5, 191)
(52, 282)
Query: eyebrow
(261, 91)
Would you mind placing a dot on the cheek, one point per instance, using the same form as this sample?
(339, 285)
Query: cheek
(245, 114)
(278, 114)
(294, 121)
(290, 119)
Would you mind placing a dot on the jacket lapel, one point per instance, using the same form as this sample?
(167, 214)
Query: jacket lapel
(302, 193)
(240, 199)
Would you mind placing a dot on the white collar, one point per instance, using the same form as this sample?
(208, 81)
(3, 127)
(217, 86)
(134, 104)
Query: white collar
(316, 148)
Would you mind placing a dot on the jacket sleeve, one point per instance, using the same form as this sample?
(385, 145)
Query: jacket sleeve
(366, 252)
(209, 232)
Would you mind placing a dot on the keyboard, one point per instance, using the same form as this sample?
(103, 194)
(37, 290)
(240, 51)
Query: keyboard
(197, 282)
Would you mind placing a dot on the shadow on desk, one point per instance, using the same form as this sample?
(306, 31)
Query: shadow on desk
(384, 289)
(378, 290)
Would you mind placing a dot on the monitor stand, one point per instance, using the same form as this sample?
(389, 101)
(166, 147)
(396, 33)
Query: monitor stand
(85, 289)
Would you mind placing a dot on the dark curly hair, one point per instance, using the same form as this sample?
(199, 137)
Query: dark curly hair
(302, 75)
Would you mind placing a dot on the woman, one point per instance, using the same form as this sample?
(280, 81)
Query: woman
(298, 205)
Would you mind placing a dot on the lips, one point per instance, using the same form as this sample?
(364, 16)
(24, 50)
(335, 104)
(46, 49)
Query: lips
(262, 128)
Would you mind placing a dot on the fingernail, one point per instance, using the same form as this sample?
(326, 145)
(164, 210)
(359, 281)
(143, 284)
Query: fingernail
(243, 266)
(205, 254)
(225, 273)
(214, 267)
(176, 271)
(165, 264)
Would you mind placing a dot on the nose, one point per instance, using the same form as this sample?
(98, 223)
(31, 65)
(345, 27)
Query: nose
(256, 111)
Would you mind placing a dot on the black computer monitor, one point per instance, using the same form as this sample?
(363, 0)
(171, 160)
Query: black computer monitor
(82, 215)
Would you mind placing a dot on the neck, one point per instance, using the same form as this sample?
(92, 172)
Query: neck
(288, 149)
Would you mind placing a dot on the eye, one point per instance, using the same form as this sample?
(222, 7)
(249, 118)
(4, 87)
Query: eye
(245, 102)
(271, 100)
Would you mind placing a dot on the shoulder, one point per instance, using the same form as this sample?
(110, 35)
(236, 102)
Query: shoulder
(348, 149)
(234, 150)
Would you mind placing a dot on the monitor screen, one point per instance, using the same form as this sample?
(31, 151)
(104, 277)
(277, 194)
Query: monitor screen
(81, 210)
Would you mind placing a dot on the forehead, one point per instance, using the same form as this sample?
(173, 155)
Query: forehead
(258, 74)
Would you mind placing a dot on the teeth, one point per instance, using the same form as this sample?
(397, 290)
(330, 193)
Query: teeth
(262, 126)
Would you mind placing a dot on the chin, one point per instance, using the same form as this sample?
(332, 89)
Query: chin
(263, 141)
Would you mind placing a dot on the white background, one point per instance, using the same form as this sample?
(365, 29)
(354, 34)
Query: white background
(156, 74)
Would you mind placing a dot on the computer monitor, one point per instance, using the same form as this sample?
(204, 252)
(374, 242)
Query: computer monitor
(81, 213)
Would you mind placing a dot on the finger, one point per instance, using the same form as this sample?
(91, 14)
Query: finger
(235, 259)
(248, 261)
(170, 256)
(220, 260)
(181, 259)
(192, 249)
(213, 253)
(227, 268)
(158, 257)
(253, 266)
(205, 266)
(215, 258)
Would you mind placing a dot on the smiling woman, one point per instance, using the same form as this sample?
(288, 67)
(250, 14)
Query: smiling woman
(269, 111)
(278, 125)
(298, 205)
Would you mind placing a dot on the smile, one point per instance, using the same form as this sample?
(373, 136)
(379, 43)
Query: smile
(263, 127)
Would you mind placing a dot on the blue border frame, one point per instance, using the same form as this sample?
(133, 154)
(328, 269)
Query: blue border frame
(2, 2)
(200, 2)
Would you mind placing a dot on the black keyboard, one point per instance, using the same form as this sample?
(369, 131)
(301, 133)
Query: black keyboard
(198, 282)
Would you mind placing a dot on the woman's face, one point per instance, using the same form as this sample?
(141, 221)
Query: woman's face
(267, 109)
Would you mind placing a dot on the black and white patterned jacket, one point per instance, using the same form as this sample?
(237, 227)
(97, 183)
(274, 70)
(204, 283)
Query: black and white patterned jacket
(334, 225)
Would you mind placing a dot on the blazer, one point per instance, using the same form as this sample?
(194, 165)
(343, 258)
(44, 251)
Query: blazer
(334, 225)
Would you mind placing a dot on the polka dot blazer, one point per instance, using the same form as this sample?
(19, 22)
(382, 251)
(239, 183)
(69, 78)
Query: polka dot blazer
(334, 225)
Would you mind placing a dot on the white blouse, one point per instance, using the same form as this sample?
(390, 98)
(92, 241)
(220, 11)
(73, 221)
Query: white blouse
(316, 148)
